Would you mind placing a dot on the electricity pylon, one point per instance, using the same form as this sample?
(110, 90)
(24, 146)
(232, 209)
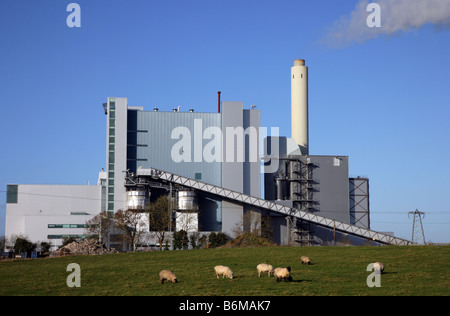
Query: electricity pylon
(416, 230)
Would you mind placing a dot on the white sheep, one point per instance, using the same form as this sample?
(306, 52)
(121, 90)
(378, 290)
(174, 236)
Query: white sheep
(283, 274)
(263, 267)
(378, 267)
(223, 271)
(167, 275)
(305, 260)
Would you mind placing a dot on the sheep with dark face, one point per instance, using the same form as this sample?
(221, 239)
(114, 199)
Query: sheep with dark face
(305, 260)
(167, 275)
(223, 271)
(283, 274)
(264, 267)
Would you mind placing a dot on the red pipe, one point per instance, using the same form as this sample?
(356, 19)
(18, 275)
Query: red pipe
(218, 95)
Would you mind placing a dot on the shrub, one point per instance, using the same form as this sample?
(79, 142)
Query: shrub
(180, 240)
(218, 239)
(24, 245)
(249, 240)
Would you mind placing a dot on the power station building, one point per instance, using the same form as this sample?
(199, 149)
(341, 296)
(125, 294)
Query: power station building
(190, 144)
(211, 164)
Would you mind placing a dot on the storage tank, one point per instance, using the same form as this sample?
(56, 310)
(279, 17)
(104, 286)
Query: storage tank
(136, 199)
(187, 201)
(282, 189)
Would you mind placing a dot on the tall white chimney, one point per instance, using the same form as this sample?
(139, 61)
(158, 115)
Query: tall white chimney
(299, 105)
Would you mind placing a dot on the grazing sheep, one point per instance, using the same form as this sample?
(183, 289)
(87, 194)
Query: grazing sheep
(378, 267)
(167, 275)
(223, 271)
(305, 260)
(283, 274)
(263, 267)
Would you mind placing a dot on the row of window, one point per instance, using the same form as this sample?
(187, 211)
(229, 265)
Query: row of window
(64, 236)
(111, 149)
(79, 213)
(67, 226)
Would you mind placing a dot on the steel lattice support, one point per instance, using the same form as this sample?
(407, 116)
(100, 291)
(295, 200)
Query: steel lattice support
(417, 229)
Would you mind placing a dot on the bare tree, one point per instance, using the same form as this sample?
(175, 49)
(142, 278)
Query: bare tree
(187, 221)
(160, 218)
(254, 223)
(99, 226)
(132, 223)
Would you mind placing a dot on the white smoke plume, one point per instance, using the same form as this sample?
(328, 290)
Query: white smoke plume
(396, 16)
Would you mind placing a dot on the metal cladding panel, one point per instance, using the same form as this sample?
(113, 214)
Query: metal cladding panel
(233, 166)
(155, 137)
(252, 164)
(331, 187)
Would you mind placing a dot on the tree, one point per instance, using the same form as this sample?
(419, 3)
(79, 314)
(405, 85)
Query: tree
(160, 217)
(180, 240)
(201, 241)
(194, 240)
(132, 223)
(24, 245)
(218, 239)
(45, 246)
(2, 243)
(99, 226)
(254, 223)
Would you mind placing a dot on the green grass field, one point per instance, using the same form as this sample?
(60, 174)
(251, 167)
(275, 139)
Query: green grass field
(413, 270)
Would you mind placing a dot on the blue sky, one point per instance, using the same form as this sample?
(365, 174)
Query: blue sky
(382, 100)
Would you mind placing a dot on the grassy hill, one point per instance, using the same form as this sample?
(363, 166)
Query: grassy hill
(413, 270)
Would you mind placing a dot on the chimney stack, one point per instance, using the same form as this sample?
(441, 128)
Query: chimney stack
(299, 105)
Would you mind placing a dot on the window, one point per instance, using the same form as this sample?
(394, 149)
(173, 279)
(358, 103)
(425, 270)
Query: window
(64, 236)
(198, 176)
(12, 192)
(111, 152)
(66, 226)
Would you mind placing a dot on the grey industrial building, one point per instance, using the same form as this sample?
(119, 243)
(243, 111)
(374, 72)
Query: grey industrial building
(139, 139)
(211, 163)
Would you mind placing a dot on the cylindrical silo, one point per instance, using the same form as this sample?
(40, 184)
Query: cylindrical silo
(299, 105)
(187, 201)
(136, 199)
(282, 189)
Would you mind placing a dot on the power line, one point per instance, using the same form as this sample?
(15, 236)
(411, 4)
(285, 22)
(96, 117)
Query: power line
(402, 212)
(408, 223)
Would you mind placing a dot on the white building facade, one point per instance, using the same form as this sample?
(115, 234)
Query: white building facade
(50, 213)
